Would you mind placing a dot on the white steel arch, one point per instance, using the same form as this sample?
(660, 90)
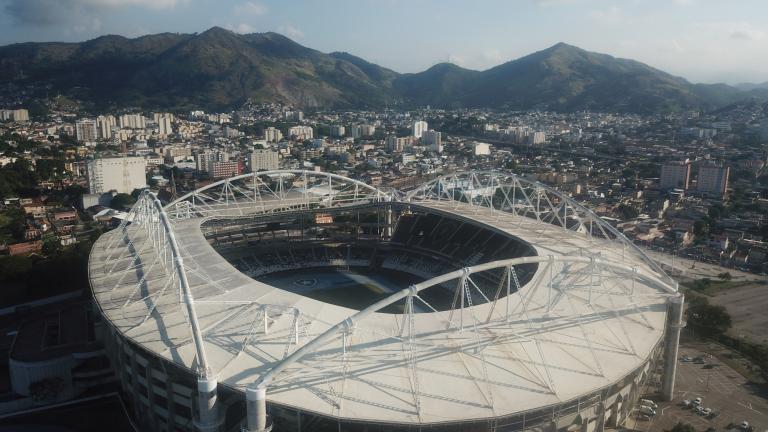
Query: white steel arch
(468, 319)
(569, 291)
(273, 191)
(523, 197)
(151, 226)
(518, 198)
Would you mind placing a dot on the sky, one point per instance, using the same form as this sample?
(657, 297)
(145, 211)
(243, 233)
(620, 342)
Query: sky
(701, 40)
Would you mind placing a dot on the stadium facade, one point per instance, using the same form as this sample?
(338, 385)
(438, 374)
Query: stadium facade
(479, 301)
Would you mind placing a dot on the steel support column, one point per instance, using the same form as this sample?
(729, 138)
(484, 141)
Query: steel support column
(674, 325)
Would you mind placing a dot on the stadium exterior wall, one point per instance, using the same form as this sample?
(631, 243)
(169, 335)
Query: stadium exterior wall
(163, 398)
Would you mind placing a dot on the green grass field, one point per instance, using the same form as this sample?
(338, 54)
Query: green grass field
(711, 287)
(355, 288)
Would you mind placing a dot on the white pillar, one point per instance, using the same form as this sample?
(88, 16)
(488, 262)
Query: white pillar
(256, 409)
(208, 408)
(675, 324)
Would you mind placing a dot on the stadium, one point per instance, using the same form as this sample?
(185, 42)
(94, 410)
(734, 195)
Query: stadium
(307, 301)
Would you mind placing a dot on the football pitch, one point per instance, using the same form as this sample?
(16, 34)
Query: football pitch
(355, 287)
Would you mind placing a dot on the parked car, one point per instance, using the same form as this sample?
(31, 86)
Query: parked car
(686, 359)
(686, 403)
(647, 410)
(697, 401)
(649, 403)
(706, 412)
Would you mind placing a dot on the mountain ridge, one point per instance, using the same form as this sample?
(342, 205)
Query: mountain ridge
(220, 69)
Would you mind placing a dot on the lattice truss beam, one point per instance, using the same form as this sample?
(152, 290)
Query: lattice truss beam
(562, 316)
(272, 192)
(527, 199)
(498, 336)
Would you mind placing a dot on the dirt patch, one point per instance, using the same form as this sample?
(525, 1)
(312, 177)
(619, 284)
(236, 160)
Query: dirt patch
(747, 306)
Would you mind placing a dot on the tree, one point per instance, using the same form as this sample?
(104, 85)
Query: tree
(700, 228)
(51, 245)
(709, 320)
(49, 168)
(122, 201)
(715, 212)
(627, 211)
(726, 276)
(682, 427)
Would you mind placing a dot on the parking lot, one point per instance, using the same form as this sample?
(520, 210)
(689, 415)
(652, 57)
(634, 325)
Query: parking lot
(723, 390)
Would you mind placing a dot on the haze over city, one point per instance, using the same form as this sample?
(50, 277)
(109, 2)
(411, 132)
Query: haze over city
(701, 40)
(383, 216)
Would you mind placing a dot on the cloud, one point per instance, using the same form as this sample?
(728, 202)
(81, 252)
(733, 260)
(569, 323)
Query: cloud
(457, 60)
(242, 28)
(492, 57)
(80, 14)
(554, 3)
(745, 31)
(91, 25)
(612, 15)
(291, 31)
(477, 60)
(251, 8)
(151, 4)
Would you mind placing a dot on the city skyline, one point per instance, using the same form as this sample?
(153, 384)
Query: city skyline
(699, 40)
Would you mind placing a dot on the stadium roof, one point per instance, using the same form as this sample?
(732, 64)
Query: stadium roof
(593, 312)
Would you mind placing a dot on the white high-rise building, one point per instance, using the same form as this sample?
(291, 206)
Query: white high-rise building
(434, 140)
(713, 180)
(538, 138)
(204, 159)
(156, 116)
(20, 115)
(104, 124)
(419, 128)
(264, 159)
(85, 130)
(368, 130)
(675, 175)
(338, 130)
(355, 131)
(272, 134)
(164, 126)
(119, 174)
(301, 133)
(132, 121)
(296, 116)
(395, 144)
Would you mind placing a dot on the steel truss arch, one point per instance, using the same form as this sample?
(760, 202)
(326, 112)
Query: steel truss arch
(273, 192)
(470, 321)
(149, 216)
(601, 302)
(511, 193)
(414, 289)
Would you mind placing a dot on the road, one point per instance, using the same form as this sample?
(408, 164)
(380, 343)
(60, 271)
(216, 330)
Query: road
(688, 268)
